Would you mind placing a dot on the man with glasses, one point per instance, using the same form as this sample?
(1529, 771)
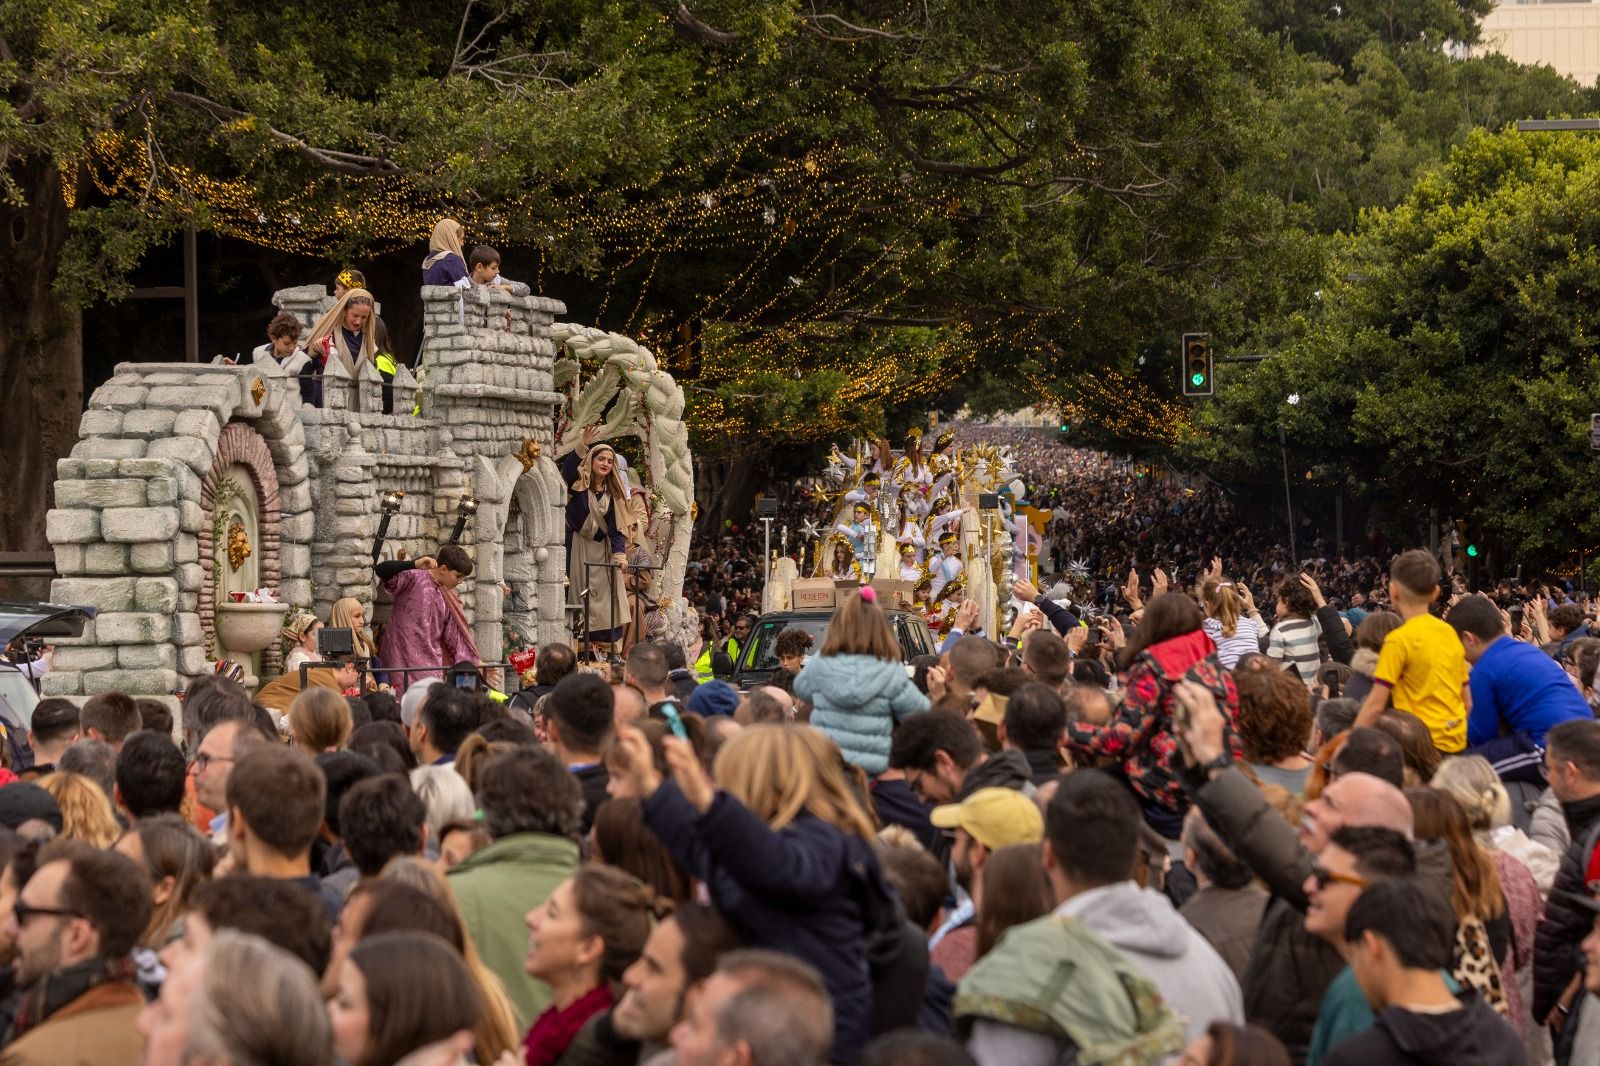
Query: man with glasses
(74, 924)
(1290, 969)
(223, 746)
(1353, 859)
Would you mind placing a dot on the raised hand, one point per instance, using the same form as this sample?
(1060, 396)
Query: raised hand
(426, 562)
(1158, 583)
(1216, 566)
(1312, 587)
(689, 773)
(1130, 591)
(1077, 637)
(966, 615)
(1199, 725)
(1024, 591)
(639, 763)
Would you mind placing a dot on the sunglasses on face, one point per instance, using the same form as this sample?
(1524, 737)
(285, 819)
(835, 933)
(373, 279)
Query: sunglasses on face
(1324, 876)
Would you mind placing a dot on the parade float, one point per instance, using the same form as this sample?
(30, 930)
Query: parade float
(203, 502)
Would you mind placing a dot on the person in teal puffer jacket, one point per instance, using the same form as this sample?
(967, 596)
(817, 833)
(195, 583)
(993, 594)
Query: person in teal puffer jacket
(857, 685)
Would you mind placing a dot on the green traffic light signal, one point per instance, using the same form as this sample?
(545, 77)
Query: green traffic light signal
(1197, 380)
(1472, 551)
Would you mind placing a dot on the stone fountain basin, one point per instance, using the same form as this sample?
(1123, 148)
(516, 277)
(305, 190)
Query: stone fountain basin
(246, 628)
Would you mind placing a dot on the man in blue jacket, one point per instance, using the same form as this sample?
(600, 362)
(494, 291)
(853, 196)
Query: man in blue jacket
(1518, 692)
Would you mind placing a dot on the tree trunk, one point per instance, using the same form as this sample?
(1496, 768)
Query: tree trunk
(726, 488)
(41, 364)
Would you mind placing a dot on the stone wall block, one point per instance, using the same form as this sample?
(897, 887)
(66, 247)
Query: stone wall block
(192, 660)
(105, 559)
(69, 559)
(98, 422)
(148, 425)
(298, 527)
(61, 683)
(120, 396)
(294, 590)
(139, 525)
(204, 424)
(101, 492)
(133, 682)
(71, 526)
(191, 519)
(107, 448)
(158, 594)
(147, 657)
(155, 557)
(160, 491)
(197, 454)
(79, 659)
(187, 630)
(102, 593)
(132, 628)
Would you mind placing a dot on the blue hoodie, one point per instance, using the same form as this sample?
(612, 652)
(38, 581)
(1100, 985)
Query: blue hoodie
(856, 700)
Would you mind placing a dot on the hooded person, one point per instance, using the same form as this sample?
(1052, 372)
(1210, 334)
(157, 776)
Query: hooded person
(349, 613)
(597, 505)
(445, 263)
(346, 332)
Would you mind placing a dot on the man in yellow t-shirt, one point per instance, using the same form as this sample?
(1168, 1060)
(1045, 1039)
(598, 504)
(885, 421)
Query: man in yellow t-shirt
(1422, 667)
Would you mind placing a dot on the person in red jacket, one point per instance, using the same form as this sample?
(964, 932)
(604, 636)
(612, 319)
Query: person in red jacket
(1169, 646)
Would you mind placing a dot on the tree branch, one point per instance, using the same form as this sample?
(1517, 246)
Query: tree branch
(361, 166)
(687, 22)
(858, 33)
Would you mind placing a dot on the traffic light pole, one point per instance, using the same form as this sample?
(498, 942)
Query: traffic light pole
(1288, 501)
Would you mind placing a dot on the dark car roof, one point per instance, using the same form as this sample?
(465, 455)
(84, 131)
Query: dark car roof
(43, 620)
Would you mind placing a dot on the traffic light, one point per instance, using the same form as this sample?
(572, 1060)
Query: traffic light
(1196, 366)
(1472, 551)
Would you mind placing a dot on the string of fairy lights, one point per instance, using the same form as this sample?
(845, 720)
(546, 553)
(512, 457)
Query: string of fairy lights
(746, 201)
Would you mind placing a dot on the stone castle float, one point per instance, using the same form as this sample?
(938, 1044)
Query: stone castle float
(191, 483)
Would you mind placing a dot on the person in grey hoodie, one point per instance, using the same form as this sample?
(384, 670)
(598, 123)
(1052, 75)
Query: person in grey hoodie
(1091, 835)
(857, 685)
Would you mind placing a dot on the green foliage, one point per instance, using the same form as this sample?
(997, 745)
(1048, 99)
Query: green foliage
(1451, 361)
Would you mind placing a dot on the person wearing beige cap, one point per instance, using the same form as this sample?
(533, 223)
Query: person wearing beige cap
(984, 822)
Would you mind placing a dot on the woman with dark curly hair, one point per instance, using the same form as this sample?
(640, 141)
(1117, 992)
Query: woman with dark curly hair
(1275, 727)
(1294, 635)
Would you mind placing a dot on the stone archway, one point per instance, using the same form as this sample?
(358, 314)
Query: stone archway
(133, 501)
(239, 539)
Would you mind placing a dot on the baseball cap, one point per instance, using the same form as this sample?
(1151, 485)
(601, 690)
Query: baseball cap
(995, 817)
(23, 802)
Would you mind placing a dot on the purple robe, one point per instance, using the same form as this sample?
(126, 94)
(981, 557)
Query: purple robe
(421, 630)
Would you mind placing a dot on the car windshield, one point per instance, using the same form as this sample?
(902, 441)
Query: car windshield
(761, 650)
(17, 698)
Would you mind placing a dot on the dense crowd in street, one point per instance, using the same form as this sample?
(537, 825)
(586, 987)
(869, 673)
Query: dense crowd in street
(1218, 811)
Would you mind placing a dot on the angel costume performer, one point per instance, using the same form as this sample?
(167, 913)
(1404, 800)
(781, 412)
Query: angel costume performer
(594, 537)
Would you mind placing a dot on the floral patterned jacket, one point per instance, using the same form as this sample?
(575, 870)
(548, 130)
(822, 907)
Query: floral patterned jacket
(1140, 731)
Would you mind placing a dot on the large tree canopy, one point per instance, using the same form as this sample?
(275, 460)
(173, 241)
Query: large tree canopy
(1450, 363)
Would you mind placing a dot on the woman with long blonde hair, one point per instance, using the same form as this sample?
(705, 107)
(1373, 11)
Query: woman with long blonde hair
(784, 845)
(86, 812)
(350, 613)
(345, 333)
